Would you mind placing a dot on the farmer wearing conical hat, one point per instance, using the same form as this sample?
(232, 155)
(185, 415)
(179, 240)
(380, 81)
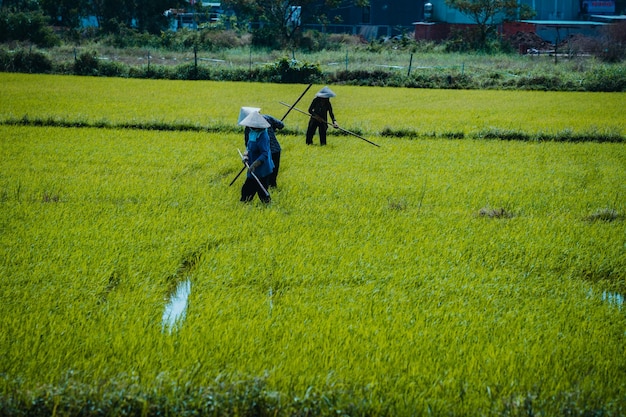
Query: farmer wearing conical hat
(275, 148)
(319, 109)
(258, 158)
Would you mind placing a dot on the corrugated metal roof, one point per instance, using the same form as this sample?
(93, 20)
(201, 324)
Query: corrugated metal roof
(565, 23)
(608, 17)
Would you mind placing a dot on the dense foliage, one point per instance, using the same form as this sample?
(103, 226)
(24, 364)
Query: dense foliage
(144, 15)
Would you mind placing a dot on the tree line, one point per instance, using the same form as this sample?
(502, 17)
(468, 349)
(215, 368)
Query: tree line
(34, 20)
(273, 23)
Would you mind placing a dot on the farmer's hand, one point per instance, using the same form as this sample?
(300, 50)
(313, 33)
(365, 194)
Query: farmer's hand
(255, 165)
(335, 125)
(245, 158)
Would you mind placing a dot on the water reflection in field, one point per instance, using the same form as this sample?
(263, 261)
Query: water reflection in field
(176, 309)
(613, 298)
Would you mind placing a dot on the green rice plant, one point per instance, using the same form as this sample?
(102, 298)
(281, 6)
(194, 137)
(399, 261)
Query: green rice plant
(369, 286)
(438, 112)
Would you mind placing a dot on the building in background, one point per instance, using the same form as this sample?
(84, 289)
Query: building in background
(433, 19)
(554, 19)
(382, 18)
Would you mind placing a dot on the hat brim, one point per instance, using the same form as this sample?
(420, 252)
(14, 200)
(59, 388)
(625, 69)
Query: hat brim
(255, 120)
(325, 93)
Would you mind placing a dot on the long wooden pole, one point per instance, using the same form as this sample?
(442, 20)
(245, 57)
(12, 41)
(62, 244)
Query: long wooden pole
(235, 179)
(294, 104)
(255, 177)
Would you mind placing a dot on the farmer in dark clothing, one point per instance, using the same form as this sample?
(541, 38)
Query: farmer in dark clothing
(275, 148)
(258, 157)
(319, 109)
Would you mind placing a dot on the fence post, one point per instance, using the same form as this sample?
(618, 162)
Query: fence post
(410, 64)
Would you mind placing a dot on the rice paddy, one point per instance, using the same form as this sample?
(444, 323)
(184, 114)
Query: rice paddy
(429, 276)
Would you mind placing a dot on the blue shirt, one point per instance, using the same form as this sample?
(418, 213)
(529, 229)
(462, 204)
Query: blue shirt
(258, 148)
(275, 124)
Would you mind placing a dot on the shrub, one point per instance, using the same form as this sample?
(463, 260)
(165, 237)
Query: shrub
(112, 69)
(121, 36)
(470, 39)
(25, 61)
(87, 64)
(539, 82)
(287, 70)
(191, 72)
(607, 79)
(463, 40)
(267, 37)
(5, 60)
(361, 77)
(216, 40)
(439, 80)
(313, 40)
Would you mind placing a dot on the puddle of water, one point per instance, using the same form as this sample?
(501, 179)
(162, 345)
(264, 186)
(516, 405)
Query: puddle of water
(176, 309)
(613, 298)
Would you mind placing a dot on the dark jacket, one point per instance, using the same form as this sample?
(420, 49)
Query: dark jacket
(321, 108)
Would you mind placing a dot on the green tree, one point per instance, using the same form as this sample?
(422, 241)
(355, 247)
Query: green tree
(488, 13)
(279, 18)
(149, 14)
(64, 13)
(19, 5)
(23, 20)
(144, 15)
(112, 13)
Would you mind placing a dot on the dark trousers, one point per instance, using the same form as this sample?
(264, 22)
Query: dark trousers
(250, 188)
(313, 126)
(271, 179)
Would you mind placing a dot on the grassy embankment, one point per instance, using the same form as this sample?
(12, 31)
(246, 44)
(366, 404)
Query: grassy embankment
(414, 65)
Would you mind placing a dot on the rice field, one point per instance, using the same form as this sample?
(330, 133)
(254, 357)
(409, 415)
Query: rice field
(422, 277)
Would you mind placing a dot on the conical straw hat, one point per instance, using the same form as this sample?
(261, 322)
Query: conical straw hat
(256, 120)
(325, 93)
(244, 111)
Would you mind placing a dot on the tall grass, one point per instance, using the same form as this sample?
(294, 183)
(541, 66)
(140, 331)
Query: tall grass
(373, 284)
(366, 110)
(418, 66)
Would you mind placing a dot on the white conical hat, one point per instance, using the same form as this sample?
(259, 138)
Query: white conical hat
(244, 111)
(256, 120)
(325, 93)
